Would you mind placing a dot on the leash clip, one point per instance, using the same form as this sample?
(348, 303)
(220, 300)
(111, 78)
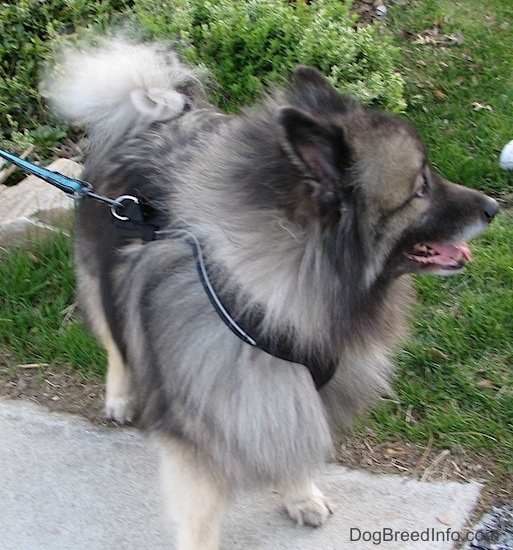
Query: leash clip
(119, 203)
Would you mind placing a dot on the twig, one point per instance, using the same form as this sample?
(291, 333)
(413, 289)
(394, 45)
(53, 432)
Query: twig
(33, 365)
(427, 472)
(425, 454)
(431, 467)
(399, 466)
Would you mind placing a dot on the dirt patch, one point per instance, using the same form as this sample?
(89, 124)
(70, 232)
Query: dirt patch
(402, 457)
(59, 389)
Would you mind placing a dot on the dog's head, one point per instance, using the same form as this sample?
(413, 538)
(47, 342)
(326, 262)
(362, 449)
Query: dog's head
(370, 170)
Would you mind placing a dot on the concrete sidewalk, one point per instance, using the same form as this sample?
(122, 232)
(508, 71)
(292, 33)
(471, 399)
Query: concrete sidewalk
(66, 484)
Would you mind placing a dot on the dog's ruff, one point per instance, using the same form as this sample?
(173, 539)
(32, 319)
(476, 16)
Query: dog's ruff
(312, 211)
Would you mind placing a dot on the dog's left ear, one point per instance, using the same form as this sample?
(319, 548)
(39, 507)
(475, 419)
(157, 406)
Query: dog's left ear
(309, 90)
(318, 149)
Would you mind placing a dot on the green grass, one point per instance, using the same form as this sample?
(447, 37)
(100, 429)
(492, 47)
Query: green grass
(37, 319)
(460, 95)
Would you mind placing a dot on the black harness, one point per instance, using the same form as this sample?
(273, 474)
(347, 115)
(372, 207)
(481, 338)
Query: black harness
(137, 220)
(134, 218)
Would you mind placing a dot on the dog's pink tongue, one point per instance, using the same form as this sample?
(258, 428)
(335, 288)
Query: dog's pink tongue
(448, 252)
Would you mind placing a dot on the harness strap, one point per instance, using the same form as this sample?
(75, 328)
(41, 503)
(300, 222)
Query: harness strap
(136, 222)
(216, 302)
(132, 222)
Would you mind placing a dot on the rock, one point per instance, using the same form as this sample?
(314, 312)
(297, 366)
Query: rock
(494, 531)
(33, 209)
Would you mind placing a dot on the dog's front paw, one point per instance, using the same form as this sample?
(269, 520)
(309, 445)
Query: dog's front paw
(119, 409)
(313, 510)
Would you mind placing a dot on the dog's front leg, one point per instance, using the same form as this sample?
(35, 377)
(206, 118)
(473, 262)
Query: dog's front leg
(194, 500)
(305, 503)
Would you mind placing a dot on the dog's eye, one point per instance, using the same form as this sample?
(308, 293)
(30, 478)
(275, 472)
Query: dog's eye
(422, 190)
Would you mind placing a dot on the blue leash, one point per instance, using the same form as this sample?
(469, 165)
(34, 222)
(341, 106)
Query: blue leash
(77, 189)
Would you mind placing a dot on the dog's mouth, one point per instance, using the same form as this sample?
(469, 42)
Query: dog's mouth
(440, 258)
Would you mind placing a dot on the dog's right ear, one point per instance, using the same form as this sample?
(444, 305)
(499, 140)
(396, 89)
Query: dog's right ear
(318, 149)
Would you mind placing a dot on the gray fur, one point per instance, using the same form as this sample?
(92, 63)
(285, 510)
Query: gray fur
(305, 207)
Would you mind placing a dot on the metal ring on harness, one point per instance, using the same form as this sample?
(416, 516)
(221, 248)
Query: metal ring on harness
(120, 200)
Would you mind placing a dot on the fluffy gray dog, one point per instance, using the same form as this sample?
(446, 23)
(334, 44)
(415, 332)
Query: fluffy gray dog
(264, 312)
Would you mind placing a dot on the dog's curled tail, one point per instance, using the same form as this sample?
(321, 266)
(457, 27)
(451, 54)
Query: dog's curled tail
(119, 88)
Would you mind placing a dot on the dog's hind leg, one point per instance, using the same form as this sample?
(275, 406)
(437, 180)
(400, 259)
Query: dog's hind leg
(118, 404)
(305, 503)
(194, 499)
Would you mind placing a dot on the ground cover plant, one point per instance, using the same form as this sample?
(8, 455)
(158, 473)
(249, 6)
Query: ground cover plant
(241, 43)
(247, 43)
(27, 28)
(454, 392)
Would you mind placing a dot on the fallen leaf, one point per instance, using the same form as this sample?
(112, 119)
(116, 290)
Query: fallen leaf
(437, 354)
(441, 96)
(486, 384)
(480, 107)
(406, 34)
(466, 56)
(394, 452)
(455, 39)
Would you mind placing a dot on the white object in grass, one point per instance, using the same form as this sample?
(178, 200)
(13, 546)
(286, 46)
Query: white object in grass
(506, 158)
(381, 11)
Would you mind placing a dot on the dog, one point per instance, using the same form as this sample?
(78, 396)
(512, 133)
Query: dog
(250, 306)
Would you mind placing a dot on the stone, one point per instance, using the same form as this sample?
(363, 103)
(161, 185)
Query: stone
(34, 209)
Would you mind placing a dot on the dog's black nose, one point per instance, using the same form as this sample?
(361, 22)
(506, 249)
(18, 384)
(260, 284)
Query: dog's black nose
(491, 209)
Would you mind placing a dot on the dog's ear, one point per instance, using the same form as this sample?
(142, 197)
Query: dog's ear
(318, 149)
(311, 91)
